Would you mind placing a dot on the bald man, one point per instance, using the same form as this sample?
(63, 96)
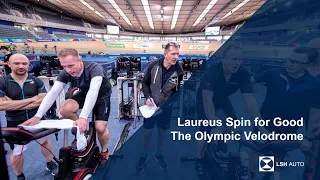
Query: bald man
(20, 96)
(210, 54)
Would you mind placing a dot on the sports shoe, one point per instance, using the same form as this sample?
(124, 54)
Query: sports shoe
(52, 168)
(141, 163)
(105, 155)
(161, 162)
(243, 172)
(104, 163)
(21, 178)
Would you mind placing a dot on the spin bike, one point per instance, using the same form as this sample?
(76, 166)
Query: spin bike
(230, 168)
(128, 107)
(73, 164)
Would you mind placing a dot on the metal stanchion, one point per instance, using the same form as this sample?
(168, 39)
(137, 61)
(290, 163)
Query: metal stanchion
(65, 136)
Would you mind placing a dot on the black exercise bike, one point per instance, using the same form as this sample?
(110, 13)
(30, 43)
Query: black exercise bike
(229, 168)
(73, 164)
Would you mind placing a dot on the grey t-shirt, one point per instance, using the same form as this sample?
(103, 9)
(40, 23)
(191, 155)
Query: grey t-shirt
(91, 70)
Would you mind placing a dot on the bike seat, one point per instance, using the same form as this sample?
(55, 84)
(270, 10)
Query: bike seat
(21, 136)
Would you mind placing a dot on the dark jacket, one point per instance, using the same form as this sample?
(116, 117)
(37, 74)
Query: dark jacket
(152, 82)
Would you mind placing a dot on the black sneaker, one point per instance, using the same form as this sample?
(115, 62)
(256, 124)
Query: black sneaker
(200, 169)
(52, 168)
(161, 162)
(243, 173)
(141, 163)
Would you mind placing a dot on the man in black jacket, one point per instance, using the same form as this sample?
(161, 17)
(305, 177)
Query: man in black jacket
(161, 80)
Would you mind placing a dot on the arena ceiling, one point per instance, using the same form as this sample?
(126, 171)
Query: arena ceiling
(160, 16)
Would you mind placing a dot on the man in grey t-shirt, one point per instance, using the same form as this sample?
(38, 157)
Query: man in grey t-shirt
(93, 95)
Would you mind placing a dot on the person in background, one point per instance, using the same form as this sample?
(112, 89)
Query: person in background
(314, 70)
(33, 51)
(7, 54)
(292, 93)
(211, 59)
(55, 48)
(12, 47)
(210, 54)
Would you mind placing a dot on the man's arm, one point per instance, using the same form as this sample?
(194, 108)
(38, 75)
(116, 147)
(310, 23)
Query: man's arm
(50, 98)
(208, 105)
(253, 108)
(91, 97)
(313, 128)
(35, 104)
(6, 104)
(147, 81)
(253, 80)
(89, 103)
(314, 115)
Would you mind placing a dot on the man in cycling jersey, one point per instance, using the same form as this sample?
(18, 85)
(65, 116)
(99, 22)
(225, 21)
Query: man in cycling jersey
(218, 83)
(93, 95)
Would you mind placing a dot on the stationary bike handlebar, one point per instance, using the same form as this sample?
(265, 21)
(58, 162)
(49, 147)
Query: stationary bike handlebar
(21, 136)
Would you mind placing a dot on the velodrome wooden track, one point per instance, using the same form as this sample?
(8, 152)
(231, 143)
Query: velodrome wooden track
(129, 47)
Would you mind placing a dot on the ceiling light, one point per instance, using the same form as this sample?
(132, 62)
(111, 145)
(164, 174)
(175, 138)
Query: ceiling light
(115, 6)
(176, 13)
(205, 11)
(236, 8)
(145, 4)
(90, 7)
(161, 11)
(57, 1)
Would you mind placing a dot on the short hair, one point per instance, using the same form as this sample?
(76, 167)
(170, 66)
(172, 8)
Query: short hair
(211, 52)
(68, 52)
(312, 53)
(314, 43)
(232, 46)
(4, 47)
(171, 44)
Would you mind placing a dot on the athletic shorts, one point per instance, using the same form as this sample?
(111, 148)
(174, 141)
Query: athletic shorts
(101, 109)
(15, 124)
(162, 120)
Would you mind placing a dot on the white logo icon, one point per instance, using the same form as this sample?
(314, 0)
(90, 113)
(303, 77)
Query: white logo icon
(266, 163)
